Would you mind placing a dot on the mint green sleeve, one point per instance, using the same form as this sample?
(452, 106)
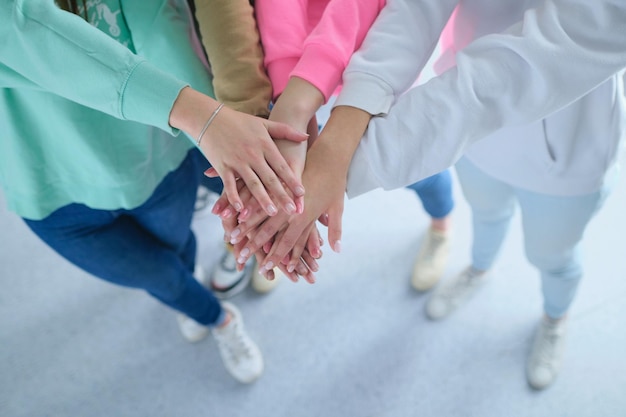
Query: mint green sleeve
(49, 49)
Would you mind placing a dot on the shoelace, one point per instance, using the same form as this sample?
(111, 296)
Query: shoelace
(466, 281)
(202, 201)
(434, 243)
(235, 344)
(547, 347)
(229, 262)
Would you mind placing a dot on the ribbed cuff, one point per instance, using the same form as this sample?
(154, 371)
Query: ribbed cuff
(365, 92)
(149, 95)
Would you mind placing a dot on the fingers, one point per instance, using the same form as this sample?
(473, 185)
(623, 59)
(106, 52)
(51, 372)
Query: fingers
(314, 243)
(334, 227)
(230, 188)
(298, 249)
(257, 189)
(264, 233)
(211, 173)
(284, 131)
(275, 186)
(286, 242)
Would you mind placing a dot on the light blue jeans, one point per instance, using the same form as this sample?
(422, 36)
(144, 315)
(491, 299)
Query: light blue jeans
(553, 228)
(435, 193)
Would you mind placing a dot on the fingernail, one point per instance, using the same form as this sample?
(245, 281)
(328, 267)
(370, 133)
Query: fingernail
(337, 246)
(290, 208)
(291, 267)
(226, 213)
(271, 210)
(268, 266)
(244, 213)
(299, 190)
(237, 206)
(243, 256)
(235, 232)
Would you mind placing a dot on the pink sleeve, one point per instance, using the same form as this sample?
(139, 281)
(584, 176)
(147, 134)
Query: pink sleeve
(332, 42)
(283, 25)
(319, 55)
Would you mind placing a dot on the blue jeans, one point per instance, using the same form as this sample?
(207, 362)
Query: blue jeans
(435, 192)
(150, 247)
(553, 228)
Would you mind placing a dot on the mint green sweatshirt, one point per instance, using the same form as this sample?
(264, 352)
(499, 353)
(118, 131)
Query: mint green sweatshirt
(83, 118)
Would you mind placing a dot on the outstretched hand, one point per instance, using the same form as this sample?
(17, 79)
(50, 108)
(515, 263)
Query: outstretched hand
(240, 146)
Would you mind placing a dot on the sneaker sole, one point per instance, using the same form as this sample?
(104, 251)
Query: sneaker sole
(236, 288)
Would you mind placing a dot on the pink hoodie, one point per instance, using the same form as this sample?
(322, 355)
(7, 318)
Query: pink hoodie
(312, 39)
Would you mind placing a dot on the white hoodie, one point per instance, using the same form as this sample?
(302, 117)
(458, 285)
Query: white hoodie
(537, 87)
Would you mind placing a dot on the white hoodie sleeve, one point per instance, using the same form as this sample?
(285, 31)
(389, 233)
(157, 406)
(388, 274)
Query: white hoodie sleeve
(559, 52)
(394, 52)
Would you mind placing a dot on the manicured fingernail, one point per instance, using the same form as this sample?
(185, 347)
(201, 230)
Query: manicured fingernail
(291, 267)
(235, 232)
(271, 210)
(290, 208)
(268, 266)
(337, 246)
(299, 190)
(243, 256)
(244, 213)
(226, 213)
(237, 206)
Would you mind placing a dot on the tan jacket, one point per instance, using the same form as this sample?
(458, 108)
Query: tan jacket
(231, 40)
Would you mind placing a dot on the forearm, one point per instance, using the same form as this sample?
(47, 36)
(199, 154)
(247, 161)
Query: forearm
(296, 106)
(340, 138)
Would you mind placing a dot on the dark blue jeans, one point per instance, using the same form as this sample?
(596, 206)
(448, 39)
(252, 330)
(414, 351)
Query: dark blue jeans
(435, 192)
(150, 247)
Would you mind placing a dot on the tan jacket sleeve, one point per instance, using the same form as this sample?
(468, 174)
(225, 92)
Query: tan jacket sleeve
(231, 40)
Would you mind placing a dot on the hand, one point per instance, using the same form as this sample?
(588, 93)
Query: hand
(237, 231)
(241, 146)
(325, 174)
(324, 201)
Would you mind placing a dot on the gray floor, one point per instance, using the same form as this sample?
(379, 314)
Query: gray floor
(354, 344)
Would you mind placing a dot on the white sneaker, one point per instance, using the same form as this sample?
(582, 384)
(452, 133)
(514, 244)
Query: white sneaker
(242, 357)
(452, 293)
(205, 199)
(226, 281)
(263, 285)
(191, 330)
(431, 260)
(546, 355)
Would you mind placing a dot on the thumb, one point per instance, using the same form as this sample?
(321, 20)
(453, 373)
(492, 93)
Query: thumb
(283, 131)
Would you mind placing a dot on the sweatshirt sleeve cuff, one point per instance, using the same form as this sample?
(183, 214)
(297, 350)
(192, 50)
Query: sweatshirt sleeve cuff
(149, 95)
(319, 68)
(366, 92)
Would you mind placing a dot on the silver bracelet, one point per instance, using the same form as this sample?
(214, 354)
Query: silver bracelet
(208, 122)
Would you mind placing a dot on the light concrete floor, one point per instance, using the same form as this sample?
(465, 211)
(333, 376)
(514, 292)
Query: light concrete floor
(354, 344)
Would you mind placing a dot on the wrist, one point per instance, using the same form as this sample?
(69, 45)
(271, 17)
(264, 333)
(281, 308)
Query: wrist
(191, 111)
